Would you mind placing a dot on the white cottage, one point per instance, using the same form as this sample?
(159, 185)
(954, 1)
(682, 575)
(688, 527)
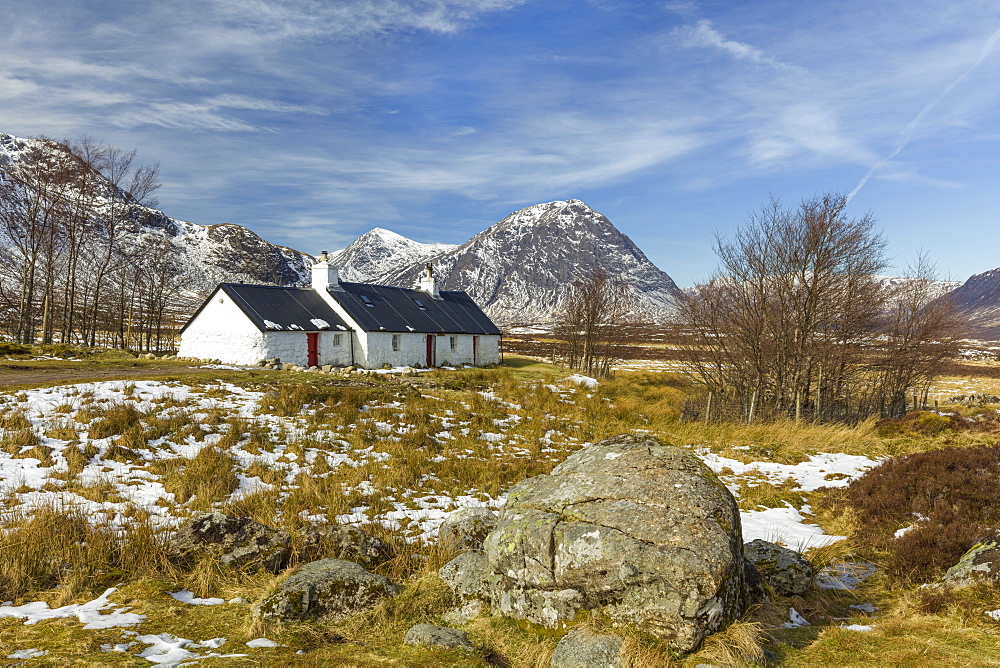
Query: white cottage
(342, 324)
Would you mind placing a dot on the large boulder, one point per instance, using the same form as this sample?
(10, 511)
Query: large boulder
(337, 541)
(330, 588)
(980, 564)
(466, 529)
(641, 531)
(237, 542)
(785, 571)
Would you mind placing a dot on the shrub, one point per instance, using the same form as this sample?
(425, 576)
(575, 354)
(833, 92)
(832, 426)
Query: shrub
(917, 423)
(952, 492)
(7, 349)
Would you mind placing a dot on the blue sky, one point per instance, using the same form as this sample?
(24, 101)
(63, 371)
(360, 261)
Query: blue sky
(311, 122)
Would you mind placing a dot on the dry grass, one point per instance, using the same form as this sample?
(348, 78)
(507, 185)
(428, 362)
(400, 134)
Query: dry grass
(317, 423)
(208, 477)
(59, 548)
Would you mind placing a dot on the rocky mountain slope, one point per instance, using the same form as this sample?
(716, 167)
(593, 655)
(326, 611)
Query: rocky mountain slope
(380, 253)
(521, 268)
(978, 301)
(205, 255)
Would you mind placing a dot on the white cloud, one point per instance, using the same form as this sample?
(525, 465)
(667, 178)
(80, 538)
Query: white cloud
(702, 34)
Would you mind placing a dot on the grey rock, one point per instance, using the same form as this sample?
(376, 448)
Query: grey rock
(466, 529)
(436, 636)
(581, 648)
(467, 575)
(785, 571)
(463, 613)
(237, 542)
(239, 600)
(643, 532)
(336, 541)
(330, 588)
(980, 564)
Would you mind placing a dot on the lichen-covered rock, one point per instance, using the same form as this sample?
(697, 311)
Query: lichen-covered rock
(336, 541)
(436, 636)
(467, 575)
(330, 588)
(980, 564)
(581, 648)
(463, 613)
(785, 571)
(237, 542)
(466, 529)
(642, 531)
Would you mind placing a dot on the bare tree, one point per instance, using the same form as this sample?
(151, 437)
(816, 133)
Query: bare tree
(592, 320)
(797, 319)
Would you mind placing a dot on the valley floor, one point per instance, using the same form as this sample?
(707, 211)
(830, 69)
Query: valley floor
(94, 474)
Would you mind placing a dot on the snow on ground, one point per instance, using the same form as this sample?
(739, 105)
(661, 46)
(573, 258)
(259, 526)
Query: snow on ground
(784, 526)
(33, 484)
(96, 614)
(824, 469)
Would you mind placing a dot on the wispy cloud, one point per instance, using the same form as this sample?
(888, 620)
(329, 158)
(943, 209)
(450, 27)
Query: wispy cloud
(906, 134)
(703, 34)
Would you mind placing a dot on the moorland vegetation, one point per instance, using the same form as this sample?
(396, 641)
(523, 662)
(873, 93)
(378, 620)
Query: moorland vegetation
(394, 455)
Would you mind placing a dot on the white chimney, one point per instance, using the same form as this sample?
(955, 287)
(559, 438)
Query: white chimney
(325, 276)
(428, 283)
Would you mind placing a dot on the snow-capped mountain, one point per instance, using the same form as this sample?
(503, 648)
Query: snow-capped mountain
(205, 255)
(978, 302)
(521, 268)
(380, 253)
(936, 288)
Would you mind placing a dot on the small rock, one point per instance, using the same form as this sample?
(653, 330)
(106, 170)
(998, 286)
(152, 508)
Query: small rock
(980, 564)
(436, 636)
(238, 542)
(581, 648)
(464, 613)
(336, 541)
(330, 588)
(466, 529)
(349, 369)
(785, 571)
(467, 575)
(239, 600)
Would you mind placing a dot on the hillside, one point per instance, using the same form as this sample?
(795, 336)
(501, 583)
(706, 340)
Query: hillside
(978, 301)
(520, 269)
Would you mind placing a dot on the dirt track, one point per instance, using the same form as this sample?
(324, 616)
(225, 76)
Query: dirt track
(18, 374)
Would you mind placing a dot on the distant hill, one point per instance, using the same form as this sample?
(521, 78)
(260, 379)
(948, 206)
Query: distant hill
(978, 301)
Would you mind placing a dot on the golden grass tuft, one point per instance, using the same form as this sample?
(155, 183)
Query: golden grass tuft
(59, 547)
(208, 477)
(115, 419)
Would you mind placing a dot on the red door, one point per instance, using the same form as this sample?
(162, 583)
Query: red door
(430, 350)
(312, 348)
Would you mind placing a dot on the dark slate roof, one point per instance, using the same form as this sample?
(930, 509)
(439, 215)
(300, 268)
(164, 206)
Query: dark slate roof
(280, 308)
(405, 310)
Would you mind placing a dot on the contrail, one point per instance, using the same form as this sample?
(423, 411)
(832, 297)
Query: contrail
(907, 133)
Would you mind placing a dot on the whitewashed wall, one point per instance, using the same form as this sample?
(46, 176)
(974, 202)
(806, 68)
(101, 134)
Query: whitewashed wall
(222, 331)
(375, 350)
